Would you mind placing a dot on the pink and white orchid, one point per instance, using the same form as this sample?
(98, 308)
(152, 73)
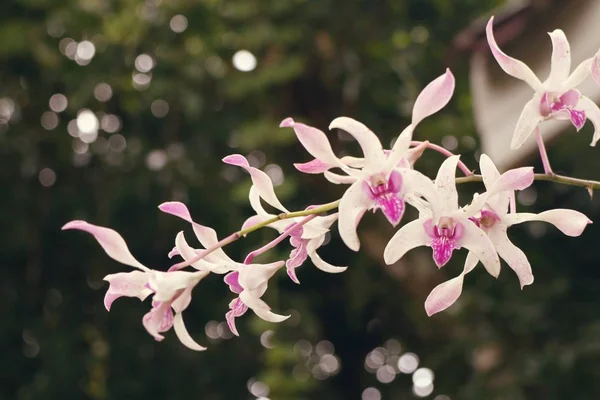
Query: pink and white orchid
(494, 219)
(250, 281)
(305, 239)
(446, 227)
(171, 290)
(556, 97)
(250, 284)
(376, 180)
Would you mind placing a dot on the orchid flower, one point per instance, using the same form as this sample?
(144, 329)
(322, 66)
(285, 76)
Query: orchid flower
(494, 220)
(250, 284)
(556, 97)
(248, 280)
(376, 181)
(171, 290)
(305, 239)
(446, 227)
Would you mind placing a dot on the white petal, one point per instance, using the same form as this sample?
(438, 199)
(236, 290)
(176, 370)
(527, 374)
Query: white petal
(514, 256)
(368, 141)
(433, 97)
(187, 253)
(499, 202)
(445, 182)
(476, 241)
(166, 284)
(510, 65)
(183, 335)
(260, 179)
(579, 75)
(129, 284)
(353, 204)
(416, 185)
(470, 263)
(444, 295)
(310, 231)
(314, 141)
(311, 249)
(570, 222)
(560, 66)
(406, 238)
(113, 244)
(592, 113)
(529, 119)
(260, 308)
(595, 66)
(339, 179)
(400, 149)
(256, 205)
(354, 162)
(254, 275)
(183, 300)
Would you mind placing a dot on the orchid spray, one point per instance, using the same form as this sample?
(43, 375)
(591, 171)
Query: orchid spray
(383, 180)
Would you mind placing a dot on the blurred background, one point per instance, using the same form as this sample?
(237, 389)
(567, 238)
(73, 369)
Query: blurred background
(110, 107)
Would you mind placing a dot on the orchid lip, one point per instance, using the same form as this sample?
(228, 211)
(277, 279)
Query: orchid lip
(445, 236)
(385, 194)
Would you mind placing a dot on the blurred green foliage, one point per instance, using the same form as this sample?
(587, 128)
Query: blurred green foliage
(316, 60)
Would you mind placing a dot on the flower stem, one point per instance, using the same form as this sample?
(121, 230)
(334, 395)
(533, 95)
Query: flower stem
(543, 154)
(278, 239)
(236, 235)
(444, 152)
(565, 180)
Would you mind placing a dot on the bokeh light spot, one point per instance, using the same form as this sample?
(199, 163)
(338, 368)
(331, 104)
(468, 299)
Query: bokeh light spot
(243, 60)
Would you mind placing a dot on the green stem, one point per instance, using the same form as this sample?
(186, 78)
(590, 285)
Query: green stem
(565, 180)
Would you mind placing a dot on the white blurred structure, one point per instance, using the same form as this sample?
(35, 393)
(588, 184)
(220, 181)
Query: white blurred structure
(521, 31)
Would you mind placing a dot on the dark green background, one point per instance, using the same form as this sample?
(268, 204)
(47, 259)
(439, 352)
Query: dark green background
(316, 60)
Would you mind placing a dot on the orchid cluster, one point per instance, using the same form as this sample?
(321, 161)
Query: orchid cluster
(382, 179)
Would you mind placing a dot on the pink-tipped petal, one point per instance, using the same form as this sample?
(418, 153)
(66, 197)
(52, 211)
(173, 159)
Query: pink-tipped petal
(476, 241)
(174, 252)
(570, 222)
(112, 243)
(314, 141)
(183, 335)
(510, 65)
(260, 179)
(514, 256)
(129, 284)
(592, 112)
(406, 238)
(529, 119)
(433, 97)
(368, 141)
(560, 66)
(444, 295)
(353, 204)
(253, 220)
(313, 167)
(514, 179)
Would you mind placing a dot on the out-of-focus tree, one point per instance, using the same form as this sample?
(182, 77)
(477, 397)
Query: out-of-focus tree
(108, 108)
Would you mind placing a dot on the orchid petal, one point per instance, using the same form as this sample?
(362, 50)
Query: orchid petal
(470, 263)
(183, 335)
(570, 222)
(476, 241)
(260, 179)
(510, 65)
(433, 97)
(254, 275)
(560, 65)
(368, 141)
(529, 119)
(311, 249)
(579, 75)
(339, 179)
(400, 148)
(444, 295)
(592, 112)
(129, 284)
(113, 244)
(207, 236)
(254, 220)
(154, 321)
(445, 182)
(490, 174)
(256, 205)
(313, 167)
(406, 238)
(514, 256)
(352, 206)
(188, 253)
(167, 284)
(314, 141)
(260, 308)
(595, 69)
(183, 300)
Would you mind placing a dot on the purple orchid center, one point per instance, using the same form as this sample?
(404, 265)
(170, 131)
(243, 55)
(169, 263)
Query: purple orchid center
(385, 193)
(563, 106)
(445, 236)
(486, 220)
(232, 279)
